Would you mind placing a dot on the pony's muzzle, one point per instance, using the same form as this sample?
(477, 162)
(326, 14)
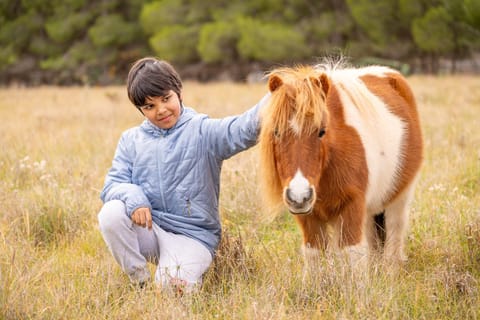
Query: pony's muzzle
(300, 202)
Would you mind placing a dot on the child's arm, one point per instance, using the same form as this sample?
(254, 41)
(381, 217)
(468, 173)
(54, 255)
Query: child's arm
(233, 134)
(118, 182)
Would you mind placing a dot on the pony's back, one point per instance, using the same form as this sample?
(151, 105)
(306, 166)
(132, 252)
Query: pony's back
(378, 103)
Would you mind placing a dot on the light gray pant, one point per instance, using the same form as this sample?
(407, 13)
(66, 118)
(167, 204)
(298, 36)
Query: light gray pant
(177, 257)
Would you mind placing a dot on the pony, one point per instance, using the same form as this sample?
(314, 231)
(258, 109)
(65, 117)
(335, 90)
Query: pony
(341, 148)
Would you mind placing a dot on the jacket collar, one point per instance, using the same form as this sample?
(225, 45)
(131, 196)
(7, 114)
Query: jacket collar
(185, 115)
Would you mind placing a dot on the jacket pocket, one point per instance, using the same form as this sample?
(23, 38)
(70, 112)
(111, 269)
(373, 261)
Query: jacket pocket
(187, 211)
(184, 202)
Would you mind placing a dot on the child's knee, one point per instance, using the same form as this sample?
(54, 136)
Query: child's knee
(112, 213)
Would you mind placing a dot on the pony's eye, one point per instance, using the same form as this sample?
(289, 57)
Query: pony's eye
(276, 134)
(321, 132)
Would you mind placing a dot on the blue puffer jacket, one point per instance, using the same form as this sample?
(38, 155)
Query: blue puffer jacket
(176, 172)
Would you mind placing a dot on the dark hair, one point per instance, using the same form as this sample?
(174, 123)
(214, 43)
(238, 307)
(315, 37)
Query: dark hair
(150, 77)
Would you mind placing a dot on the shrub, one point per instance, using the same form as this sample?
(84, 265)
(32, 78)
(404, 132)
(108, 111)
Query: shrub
(176, 43)
(269, 41)
(217, 42)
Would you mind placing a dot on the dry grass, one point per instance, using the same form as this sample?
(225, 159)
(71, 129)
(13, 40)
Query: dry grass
(57, 144)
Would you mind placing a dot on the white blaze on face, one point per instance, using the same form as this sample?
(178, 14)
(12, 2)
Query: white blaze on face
(299, 187)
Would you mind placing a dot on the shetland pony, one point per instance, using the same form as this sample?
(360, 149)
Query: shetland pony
(337, 147)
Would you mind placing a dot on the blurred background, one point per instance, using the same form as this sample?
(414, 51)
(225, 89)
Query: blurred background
(92, 42)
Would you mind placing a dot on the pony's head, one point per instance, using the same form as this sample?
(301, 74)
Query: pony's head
(292, 138)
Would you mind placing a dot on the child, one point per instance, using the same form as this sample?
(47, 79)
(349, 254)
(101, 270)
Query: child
(161, 193)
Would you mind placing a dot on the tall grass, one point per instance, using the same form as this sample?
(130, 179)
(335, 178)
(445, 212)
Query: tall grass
(57, 145)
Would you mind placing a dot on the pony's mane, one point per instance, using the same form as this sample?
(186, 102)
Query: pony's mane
(331, 64)
(300, 99)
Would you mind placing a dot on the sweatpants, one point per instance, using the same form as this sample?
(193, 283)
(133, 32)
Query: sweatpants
(178, 257)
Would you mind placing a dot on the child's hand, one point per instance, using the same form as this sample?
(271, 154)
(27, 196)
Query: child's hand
(142, 217)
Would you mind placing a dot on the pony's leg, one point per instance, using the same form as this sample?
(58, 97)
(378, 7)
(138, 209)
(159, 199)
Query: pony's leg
(396, 222)
(315, 240)
(375, 233)
(314, 232)
(351, 233)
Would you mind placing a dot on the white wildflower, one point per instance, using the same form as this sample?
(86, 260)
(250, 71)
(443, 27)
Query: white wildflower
(40, 166)
(437, 187)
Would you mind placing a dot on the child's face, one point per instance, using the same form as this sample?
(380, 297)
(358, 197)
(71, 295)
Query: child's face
(162, 111)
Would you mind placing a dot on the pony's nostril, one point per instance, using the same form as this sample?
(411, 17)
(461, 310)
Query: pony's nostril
(288, 194)
(309, 195)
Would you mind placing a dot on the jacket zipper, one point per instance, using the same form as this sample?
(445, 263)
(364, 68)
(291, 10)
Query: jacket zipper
(159, 170)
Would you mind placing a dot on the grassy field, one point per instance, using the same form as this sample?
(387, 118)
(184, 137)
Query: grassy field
(57, 145)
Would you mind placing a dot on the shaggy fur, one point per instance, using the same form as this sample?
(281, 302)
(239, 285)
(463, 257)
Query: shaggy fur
(337, 147)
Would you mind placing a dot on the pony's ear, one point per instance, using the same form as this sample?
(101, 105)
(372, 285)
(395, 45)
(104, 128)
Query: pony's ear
(325, 82)
(274, 82)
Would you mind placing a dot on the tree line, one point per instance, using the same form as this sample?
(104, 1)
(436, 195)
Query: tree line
(94, 42)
